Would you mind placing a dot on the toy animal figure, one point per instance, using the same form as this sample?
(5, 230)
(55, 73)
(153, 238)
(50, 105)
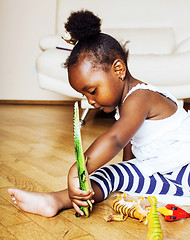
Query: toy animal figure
(154, 229)
(130, 208)
(84, 180)
(173, 213)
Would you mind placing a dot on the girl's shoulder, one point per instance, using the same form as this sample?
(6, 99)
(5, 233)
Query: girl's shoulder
(133, 103)
(144, 86)
(150, 98)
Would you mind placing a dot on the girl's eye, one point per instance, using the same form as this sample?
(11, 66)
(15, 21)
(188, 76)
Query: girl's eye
(93, 92)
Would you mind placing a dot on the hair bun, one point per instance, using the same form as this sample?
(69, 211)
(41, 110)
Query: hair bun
(83, 24)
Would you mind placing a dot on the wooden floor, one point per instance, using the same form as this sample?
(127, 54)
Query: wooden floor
(36, 151)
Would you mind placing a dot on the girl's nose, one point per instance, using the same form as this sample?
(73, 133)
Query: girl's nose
(91, 101)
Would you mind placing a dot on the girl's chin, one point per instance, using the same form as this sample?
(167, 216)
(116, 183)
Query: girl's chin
(107, 109)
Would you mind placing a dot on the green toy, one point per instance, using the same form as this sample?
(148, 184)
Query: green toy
(84, 180)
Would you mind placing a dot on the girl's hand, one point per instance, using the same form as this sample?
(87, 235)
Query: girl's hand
(76, 195)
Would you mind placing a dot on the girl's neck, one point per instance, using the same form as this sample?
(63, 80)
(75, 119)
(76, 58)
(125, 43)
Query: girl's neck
(129, 84)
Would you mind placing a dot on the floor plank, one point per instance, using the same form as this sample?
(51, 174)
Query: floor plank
(5, 234)
(10, 214)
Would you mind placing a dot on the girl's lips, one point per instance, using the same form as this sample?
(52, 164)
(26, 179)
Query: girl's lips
(99, 108)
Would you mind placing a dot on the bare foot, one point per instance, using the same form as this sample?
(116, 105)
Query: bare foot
(44, 204)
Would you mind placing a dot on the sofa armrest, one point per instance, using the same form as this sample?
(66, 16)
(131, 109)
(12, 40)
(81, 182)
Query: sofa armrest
(183, 46)
(53, 41)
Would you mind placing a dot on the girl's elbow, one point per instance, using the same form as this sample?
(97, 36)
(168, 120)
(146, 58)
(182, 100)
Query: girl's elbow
(118, 143)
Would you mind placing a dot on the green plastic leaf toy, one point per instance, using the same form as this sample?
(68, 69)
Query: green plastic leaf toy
(84, 180)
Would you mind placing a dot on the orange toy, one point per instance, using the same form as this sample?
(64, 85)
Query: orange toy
(126, 209)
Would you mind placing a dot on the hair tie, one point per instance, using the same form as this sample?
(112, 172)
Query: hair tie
(67, 37)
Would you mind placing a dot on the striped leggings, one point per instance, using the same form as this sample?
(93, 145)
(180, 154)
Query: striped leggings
(126, 177)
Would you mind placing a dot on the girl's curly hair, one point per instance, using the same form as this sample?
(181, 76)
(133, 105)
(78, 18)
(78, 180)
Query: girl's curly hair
(99, 48)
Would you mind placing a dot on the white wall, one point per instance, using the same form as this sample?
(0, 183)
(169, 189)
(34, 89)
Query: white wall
(22, 24)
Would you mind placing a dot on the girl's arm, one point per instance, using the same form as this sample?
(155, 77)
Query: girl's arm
(134, 111)
(132, 114)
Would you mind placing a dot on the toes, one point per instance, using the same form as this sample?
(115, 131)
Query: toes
(12, 193)
(14, 200)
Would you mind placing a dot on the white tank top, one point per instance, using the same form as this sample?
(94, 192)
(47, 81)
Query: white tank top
(161, 145)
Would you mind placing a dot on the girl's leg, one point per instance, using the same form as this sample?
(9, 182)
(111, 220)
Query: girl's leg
(47, 204)
(124, 177)
(127, 177)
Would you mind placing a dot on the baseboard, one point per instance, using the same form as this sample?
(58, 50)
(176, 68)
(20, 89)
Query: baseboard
(36, 102)
(53, 102)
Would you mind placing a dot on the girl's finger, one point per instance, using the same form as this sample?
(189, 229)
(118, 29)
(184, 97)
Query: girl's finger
(85, 195)
(80, 203)
(77, 209)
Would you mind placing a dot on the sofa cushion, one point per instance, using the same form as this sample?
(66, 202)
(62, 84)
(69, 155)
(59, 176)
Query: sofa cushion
(144, 40)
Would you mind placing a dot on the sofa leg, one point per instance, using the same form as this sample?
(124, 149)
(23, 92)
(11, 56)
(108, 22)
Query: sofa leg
(181, 102)
(82, 122)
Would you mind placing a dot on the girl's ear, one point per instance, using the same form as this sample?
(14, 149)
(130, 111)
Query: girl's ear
(119, 69)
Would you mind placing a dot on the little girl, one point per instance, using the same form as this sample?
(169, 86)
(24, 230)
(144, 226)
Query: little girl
(151, 128)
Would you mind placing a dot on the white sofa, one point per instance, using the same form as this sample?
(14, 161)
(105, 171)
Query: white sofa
(159, 43)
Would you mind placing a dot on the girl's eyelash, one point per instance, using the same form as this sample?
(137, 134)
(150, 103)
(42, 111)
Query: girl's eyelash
(93, 92)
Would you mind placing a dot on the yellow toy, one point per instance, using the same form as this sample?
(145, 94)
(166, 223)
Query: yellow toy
(133, 209)
(154, 229)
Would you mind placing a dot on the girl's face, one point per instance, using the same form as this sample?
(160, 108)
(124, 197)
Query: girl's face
(102, 89)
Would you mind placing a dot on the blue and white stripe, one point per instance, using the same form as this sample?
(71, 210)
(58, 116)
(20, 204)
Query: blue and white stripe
(126, 177)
